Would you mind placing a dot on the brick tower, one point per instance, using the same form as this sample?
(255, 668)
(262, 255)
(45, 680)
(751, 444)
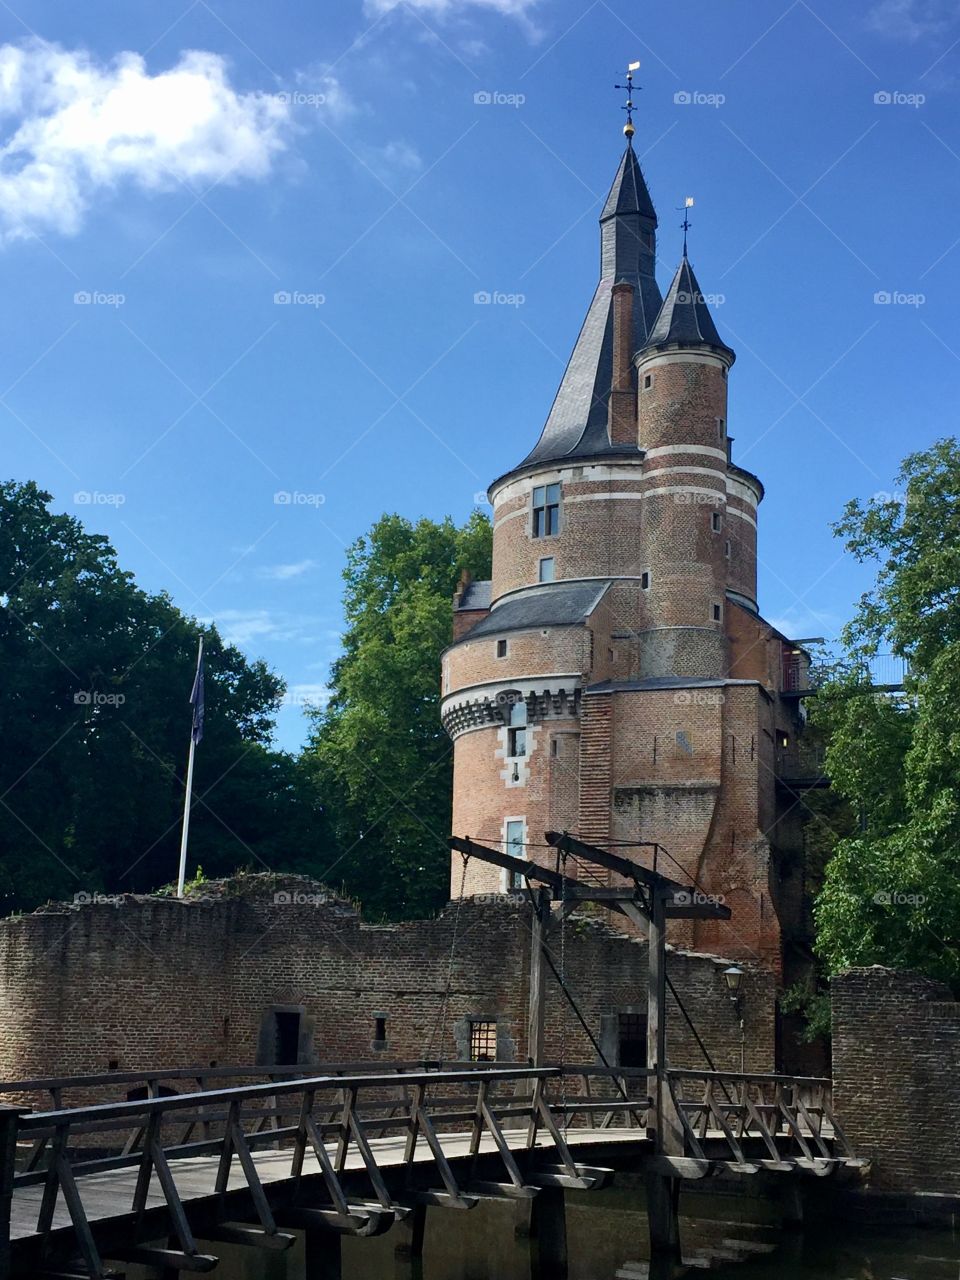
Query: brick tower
(615, 678)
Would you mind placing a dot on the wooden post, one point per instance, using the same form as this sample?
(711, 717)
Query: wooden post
(537, 1004)
(9, 1125)
(322, 1255)
(409, 1233)
(548, 1234)
(663, 1192)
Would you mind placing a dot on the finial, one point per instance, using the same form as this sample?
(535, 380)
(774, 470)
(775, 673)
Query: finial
(687, 206)
(628, 129)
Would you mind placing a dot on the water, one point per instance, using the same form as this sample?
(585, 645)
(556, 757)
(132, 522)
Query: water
(730, 1236)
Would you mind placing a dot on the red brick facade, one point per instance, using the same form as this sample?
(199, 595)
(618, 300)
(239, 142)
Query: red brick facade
(657, 715)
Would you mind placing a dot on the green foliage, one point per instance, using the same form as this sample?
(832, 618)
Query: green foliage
(891, 893)
(813, 1005)
(381, 757)
(94, 720)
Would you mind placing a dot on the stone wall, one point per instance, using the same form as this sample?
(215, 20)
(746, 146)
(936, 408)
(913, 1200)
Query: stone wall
(896, 1072)
(155, 982)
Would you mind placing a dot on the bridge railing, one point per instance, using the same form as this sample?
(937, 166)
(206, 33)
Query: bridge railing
(791, 1115)
(327, 1118)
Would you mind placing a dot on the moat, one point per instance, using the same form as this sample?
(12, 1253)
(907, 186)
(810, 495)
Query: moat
(732, 1238)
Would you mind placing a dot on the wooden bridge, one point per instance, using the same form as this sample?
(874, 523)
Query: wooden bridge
(244, 1157)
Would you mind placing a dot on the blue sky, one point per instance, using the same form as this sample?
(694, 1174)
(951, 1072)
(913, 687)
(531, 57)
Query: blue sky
(181, 164)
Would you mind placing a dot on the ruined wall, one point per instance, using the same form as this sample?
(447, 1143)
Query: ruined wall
(896, 1072)
(164, 983)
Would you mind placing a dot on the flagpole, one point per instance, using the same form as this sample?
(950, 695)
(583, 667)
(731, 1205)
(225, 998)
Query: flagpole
(189, 795)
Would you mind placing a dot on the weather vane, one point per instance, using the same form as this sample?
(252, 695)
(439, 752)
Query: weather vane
(628, 128)
(687, 206)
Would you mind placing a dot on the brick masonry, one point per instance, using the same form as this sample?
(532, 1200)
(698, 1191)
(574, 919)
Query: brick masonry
(896, 1072)
(155, 982)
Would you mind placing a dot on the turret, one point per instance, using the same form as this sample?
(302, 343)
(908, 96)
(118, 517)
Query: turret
(682, 416)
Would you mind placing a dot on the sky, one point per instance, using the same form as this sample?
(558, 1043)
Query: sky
(241, 246)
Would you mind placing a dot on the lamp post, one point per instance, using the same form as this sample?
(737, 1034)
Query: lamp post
(733, 977)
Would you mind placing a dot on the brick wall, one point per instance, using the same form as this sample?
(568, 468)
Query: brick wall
(896, 1072)
(164, 983)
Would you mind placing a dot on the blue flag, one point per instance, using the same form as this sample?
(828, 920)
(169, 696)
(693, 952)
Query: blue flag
(196, 698)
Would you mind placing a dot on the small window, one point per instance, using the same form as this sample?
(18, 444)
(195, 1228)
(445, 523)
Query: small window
(547, 569)
(515, 843)
(113, 1064)
(723, 373)
(720, 427)
(483, 1042)
(554, 746)
(517, 732)
(647, 381)
(546, 510)
(501, 648)
(645, 581)
(287, 1038)
(726, 548)
(716, 521)
(380, 1030)
(632, 1046)
(717, 612)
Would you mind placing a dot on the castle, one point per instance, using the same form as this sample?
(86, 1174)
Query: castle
(615, 678)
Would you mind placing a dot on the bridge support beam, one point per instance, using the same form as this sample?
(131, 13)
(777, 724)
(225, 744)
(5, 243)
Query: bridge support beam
(409, 1232)
(548, 1234)
(663, 1215)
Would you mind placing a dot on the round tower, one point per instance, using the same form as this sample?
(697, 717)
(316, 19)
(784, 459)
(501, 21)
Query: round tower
(682, 426)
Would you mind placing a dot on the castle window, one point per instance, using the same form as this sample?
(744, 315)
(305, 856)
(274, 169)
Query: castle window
(514, 831)
(501, 648)
(517, 732)
(483, 1041)
(380, 1030)
(717, 612)
(719, 428)
(726, 548)
(716, 521)
(647, 381)
(546, 510)
(645, 581)
(547, 569)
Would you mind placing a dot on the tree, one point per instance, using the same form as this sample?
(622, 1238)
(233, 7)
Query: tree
(94, 723)
(891, 892)
(382, 759)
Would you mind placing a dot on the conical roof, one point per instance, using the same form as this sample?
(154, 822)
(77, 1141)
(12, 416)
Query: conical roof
(685, 319)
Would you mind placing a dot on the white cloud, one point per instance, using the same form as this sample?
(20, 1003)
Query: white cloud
(451, 8)
(911, 20)
(244, 627)
(284, 572)
(74, 129)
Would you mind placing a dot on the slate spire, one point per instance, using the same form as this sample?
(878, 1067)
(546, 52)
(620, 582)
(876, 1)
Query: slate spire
(577, 424)
(685, 319)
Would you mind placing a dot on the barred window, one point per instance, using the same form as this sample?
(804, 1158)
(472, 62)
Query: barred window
(483, 1042)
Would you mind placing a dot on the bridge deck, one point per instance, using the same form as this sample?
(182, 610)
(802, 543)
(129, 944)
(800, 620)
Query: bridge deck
(110, 1194)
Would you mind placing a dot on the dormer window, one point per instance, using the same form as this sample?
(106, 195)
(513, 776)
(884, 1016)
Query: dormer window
(546, 510)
